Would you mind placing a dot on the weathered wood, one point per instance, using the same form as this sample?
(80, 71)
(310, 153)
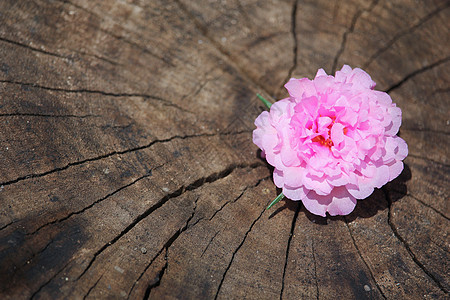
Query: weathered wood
(128, 170)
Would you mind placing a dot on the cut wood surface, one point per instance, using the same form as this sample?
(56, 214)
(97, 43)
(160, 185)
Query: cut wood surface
(127, 168)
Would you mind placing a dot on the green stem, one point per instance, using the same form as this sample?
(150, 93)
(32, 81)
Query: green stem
(266, 102)
(276, 200)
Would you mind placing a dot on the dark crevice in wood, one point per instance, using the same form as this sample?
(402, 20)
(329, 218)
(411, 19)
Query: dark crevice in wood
(235, 252)
(204, 31)
(96, 56)
(37, 175)
(96, 201)
(288, 247)
(429, 159)
(209, 243)
(228, 202)
(425, 130)
(425, 204)
(200, 88)
(37, 253)
(32, 48)
(415, 73)
(188, 226)
(295, 39)
(406, 245)
(7, 225)
(70, 57)
(169, 243)
(316, 279)
(405, 32)
(196, 184)
(157, 282)
(119, 38)
(364, 261)
(137, 46)
(440, 91)
(92, 287)
(97, 92)
(145, 270)
(348, 31)
(18, 114)
(242, 194)
(48, 281)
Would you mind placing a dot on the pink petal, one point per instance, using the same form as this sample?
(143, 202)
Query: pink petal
(293, 177)
(295, 193)
(320, 185)
(278, 178)
(396, 115)
(395, 170)
(360, 79)
(316, 204)
(342, 204)
(402, 148)
(359, 191)
(382, 176)
(299, 88)
(337, 133)
(321, 72)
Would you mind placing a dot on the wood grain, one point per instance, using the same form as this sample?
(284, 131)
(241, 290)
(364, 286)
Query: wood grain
(128, 168)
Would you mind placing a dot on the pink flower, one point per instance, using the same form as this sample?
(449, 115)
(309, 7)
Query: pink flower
(332, 141)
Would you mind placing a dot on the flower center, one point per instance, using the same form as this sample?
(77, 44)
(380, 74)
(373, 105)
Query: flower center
(324, 142)
(327, 142)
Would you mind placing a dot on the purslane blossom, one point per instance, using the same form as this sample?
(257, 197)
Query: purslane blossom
(332, 141)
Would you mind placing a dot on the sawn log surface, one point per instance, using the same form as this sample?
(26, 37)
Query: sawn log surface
(127, 168)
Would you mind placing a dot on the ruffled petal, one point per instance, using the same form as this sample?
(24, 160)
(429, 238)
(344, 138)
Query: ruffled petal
(295, 193)
(299, 88)
(342, 204)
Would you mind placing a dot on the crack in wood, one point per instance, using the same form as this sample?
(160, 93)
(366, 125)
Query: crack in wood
(166, 257)
(29, 260)
(200, 87)
(425, 130)
(194, 185)
(236, 199)
(97, 92)
(229, 58)
(405, 32)
(316, 279)
(415, 73)
(407, 247)
(18, 114)
(235, 252)
(92, 287)
(364, 261)
(158, 280)
(440, 91)
(429, 159)
(350, 30)
(48, 281)
(8, 224)
(113, 153)
(295, 48)
(288, 247)
(33, 48)
(97, 57)
(149, 173)
(69, 57)
(424, 204)
(209, 243)
(119, 38)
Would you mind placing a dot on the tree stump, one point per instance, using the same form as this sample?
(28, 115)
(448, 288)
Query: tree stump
(128, 168)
